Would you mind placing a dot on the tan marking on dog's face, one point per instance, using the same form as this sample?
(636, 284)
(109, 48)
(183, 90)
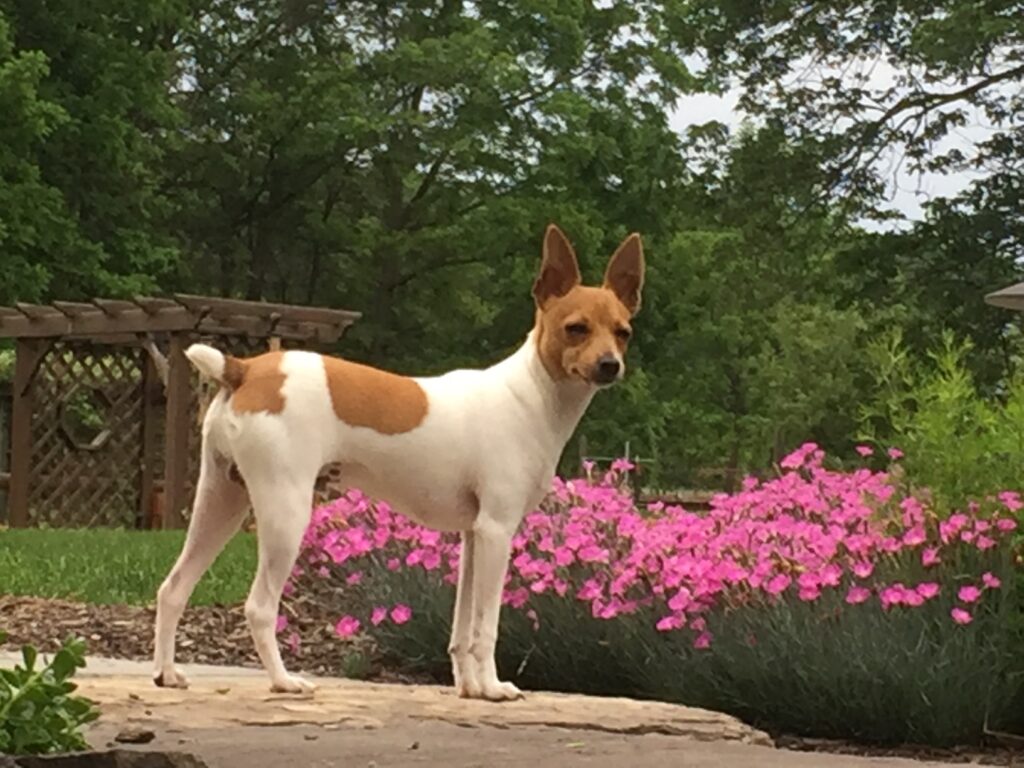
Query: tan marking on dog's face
(261, 380)
(368, 397)
(582, 332)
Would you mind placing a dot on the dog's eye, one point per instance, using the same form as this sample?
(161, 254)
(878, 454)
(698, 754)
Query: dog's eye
(624, 333)
(577, 329)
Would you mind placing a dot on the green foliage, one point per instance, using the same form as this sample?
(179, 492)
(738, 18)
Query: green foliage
(115, 567)
(87, 90)
(404, 161)
(38, 713)
(959, 444)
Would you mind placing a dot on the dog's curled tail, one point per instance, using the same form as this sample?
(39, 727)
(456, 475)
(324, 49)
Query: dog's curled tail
(224, 369)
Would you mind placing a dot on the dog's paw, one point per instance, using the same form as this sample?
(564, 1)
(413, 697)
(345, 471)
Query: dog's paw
(496, 691)
(292, 684)
(502, 692)
(170, 678)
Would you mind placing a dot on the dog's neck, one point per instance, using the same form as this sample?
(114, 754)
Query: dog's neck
(558, 405)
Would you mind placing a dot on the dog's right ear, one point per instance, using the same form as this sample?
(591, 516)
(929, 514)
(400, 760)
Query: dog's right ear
(559, 270)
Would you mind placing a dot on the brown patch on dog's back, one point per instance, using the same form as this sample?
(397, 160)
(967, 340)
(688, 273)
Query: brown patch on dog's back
(234, 371)
(260, 381)
(368, 397)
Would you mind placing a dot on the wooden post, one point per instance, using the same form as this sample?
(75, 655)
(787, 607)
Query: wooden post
(274, 343)
(152, 392)
(179, 395)
(28, 353)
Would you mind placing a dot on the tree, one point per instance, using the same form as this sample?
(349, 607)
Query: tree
(404, 159)
(91, 144)
(30, 210)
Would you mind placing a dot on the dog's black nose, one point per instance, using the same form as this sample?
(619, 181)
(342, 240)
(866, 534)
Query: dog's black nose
(607, 371)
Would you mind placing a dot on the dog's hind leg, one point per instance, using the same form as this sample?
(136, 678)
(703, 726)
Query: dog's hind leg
(283, 506)
(220, 506)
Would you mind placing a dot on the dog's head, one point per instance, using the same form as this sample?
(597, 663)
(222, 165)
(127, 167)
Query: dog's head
(583, 331)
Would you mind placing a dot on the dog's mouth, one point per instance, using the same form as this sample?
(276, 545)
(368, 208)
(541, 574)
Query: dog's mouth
(595, 378)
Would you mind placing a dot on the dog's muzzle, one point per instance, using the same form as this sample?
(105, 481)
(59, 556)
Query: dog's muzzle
(607, 371)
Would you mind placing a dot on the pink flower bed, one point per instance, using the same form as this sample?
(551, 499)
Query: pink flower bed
(809, 535)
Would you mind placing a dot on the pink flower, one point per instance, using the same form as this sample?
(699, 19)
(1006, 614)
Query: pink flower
(703, 641)
(930, 557)
(968, 594)
(915, 536)
(857, 595)
(1006, 524)
(668, 623)
(347, 626)
(1011, 500)
(622, 465)
(282, 622)
(960, 616)
(809, 594)
(863, 570)
(990, 580)
(379, 614)
(865, 451)
(354, 578)
(893, 595)
(927, 590)
(984, 542)
(401, 614)
(778, 584)
(895, 454)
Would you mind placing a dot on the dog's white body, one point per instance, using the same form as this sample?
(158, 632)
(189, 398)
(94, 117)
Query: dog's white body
(483, 456)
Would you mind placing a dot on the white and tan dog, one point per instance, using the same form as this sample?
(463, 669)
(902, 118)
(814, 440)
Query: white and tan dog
(470, 451)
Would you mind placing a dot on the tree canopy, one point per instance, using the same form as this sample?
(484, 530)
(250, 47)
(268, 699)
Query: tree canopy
(403, 160)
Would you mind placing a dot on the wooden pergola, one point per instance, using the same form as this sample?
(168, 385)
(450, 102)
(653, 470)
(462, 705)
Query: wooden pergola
(122, 364)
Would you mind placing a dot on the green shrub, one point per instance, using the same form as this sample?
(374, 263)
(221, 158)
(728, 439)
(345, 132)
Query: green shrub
(38, 714)
(821, 603)
(958, 443)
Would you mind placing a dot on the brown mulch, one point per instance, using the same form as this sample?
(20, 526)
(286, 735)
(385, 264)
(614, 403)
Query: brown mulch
(206, 635)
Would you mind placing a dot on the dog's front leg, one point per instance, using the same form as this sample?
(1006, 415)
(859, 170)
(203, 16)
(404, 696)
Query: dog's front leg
(492, 544)
(463, 665)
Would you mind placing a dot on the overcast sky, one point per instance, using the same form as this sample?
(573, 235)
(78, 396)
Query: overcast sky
(907, 192)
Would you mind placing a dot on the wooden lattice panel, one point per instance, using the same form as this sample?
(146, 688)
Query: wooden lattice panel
(86, 466)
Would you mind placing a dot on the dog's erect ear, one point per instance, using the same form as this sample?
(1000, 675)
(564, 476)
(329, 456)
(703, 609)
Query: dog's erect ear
(559, 271)
(625, 274)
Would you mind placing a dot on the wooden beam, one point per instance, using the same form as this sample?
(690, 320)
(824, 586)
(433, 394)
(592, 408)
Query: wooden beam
(179, 396)
(115, 307)
(152, 396)
(153, 306)
(28, 353)
(38, 311)
(76, 308)
(108, 317)
(221, 307)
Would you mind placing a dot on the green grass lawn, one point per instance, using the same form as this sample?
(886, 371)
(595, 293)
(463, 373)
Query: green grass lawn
(111, 566)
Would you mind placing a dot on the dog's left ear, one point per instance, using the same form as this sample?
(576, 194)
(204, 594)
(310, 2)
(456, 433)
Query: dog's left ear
(625, 273)
(559, 271)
